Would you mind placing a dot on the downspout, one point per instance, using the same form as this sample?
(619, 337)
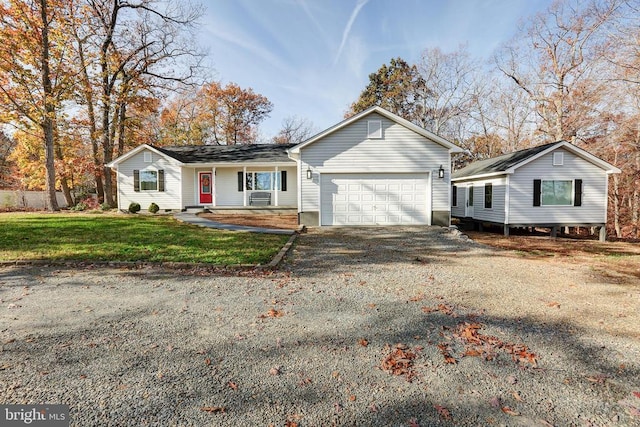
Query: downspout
(277, 180)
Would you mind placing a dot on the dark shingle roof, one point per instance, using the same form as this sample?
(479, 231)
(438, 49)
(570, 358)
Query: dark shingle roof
(228, 153)
(500, 163)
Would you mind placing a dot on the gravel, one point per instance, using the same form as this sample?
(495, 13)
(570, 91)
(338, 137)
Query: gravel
(355, 328)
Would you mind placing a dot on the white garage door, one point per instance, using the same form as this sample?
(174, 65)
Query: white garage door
(380, 199)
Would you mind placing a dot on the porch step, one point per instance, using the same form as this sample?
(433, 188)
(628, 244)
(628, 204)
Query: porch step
(195, 209)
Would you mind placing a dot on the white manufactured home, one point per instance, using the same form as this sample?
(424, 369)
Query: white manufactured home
(553, 185)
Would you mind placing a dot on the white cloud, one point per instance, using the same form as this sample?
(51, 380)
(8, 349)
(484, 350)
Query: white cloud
(347, 28)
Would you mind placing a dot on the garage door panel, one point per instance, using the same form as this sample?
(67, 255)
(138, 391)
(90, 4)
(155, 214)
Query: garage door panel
(369, 199)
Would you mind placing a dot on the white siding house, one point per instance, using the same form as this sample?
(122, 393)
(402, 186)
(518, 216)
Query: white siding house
(553, 185)
(176, 178)
(374, 168)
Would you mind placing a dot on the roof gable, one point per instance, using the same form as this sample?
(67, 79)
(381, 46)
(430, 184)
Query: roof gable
(385, 113)
(508, 163)
(139, 149)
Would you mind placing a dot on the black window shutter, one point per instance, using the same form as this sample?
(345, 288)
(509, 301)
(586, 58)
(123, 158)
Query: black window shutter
(537, 190)
(577, 200)
(240, 181)
(161, 180)
(283, 180)
(454, 196)
(136, 180)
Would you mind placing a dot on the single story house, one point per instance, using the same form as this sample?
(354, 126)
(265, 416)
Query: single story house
(373, 168)
(552, 185)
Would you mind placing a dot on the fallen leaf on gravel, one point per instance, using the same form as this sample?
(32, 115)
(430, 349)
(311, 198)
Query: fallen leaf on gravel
(400, 362)
(232, 385)
(598, 378)
(413, 423)
(207, 361)
(517, 396)
(272, 313)
(545, 423)
(637, 394)
(5, 366)
(428, 309)
(445, 350)
(363, 342)
(512, 380)
(275, 370)
(418, 297)
(337, 407)
(495, 402)
(352, 398)
(291, 424)
(443, 412)
(373, 408)
(554, 304)
(510, 411)
(214, 409)
(13, 306)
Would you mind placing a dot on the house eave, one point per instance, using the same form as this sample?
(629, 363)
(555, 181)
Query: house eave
(483, 175)
(239, 164)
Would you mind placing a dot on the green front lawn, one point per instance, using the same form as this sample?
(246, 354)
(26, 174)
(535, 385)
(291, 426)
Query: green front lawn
(82, 237)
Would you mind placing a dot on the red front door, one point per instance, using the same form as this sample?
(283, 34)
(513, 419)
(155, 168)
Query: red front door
(205, 185)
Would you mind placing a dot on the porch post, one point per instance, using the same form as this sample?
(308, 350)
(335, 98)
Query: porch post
(277, 177)
(214, 193)
(244, 186)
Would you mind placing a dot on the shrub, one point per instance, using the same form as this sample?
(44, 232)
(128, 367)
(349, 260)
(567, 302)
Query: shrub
(153, 208)
(106, 206)
(79, 207)
(134, 207)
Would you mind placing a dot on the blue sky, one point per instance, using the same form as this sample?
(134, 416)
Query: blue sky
(312, 58)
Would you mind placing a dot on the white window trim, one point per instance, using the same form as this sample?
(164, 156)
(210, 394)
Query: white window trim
(573, 191)
(157, 180)
(484, 196)
(558, 159)
(376, 133)
(148, 157)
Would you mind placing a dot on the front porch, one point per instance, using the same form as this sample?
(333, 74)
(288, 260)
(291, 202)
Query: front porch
(251, 188)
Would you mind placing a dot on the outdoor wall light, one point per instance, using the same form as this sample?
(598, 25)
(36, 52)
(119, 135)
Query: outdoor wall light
(308, 173)
(441, 172)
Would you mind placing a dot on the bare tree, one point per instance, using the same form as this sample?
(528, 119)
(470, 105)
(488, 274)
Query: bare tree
(294, 130)
(444, 98)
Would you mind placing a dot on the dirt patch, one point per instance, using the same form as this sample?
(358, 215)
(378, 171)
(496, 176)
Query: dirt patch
(615, 260)
(284, 222)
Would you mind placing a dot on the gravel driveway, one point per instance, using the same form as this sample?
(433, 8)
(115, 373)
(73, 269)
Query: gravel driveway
(402, 326)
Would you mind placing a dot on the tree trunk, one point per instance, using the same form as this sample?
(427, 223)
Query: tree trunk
(91, 114)
(47, 123)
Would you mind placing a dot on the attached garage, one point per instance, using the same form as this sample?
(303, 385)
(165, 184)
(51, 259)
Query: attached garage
(374, 168)
(375, 199)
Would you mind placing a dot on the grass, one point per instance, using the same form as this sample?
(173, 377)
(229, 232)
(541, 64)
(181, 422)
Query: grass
(84, 237)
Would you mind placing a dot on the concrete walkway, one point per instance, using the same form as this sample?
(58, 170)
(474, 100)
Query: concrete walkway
(202, 222)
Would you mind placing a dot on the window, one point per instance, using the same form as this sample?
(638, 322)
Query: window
(557, 193)
(374, 129)
(148, 158)
(558, 159)
(148, 180)
(488, 196)
(264, 181)
(454, 196)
